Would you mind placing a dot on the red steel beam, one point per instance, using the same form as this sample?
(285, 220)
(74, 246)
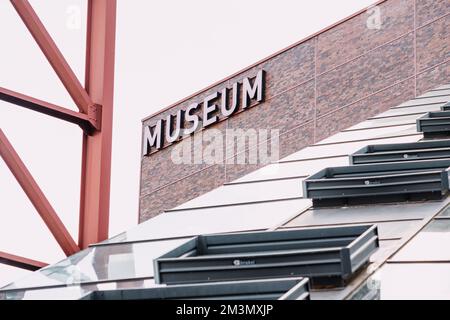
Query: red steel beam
(21, 262)
(81, 119)
(96, 158)
(36, 196)
(53, 54)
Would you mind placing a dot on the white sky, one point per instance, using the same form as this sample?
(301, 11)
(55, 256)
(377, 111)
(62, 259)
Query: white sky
(166, 50)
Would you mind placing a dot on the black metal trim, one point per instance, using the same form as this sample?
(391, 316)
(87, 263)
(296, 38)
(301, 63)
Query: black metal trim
(434, 124)
(401, 152)
(272, 289)
(378, 183)
(328, 256)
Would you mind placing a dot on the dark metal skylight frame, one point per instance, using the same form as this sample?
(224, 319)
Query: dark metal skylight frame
(269, 289)
(378, 183)
(434, 124)
(328, 256)
(401, 152)
(446, 107)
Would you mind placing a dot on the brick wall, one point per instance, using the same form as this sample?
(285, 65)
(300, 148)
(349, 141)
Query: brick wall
(315, 88)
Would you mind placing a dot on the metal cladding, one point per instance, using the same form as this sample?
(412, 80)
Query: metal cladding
(401, 152)
(272, 289)
(328, 256)
(434, 124)
(378, 183)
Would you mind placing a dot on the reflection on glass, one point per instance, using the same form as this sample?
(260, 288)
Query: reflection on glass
(407, 281)
(73, 292)
(431, 244)
(112, 262)
(445, 212)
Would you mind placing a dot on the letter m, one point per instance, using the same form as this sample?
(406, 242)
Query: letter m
(153, 138)
(254, 92)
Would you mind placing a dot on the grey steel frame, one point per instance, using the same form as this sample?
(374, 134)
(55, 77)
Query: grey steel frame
(401, 152)
(446, 107)
(378, 183)
(328, 256)
(434, 124)
(272, 289)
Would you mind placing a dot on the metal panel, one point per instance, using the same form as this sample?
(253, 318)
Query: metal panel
(434, 124)
(367, 214)
(284, 170)
(395, 281)
(400, 152)
(380, 183)
(282, 289)
(247, 193)
(431, 244)
(424, 100)
(256, 216)
(370, 133)
(343, 149)
(395, 112)
(329, 256)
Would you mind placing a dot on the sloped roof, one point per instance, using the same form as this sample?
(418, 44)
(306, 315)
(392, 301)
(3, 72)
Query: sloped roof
(414, 236)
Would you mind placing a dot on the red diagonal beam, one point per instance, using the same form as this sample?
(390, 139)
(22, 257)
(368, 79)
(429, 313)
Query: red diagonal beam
(96, 161)
(81, 119)
(53, 54)
(36, 196)
(21, 262)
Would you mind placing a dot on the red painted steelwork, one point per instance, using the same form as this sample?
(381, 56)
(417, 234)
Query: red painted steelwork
(47, 108)
(36, 196)
(96, 160)
(53, 54)
(21, 262)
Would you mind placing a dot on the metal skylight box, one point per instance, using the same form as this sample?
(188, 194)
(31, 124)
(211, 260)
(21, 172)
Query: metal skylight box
(272, 289)
(401, 152)
(378, 183)
(446, 107)
(434, 124)
(328, 256)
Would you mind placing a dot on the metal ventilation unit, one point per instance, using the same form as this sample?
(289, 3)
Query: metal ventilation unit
(273, 289)
(378, 183)
(446, 107)
(434, 124)
(328, 256)
(401, 152)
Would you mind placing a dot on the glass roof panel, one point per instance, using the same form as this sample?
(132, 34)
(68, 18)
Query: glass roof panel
(112, 262)
(429, 98)
(363, 214)
(408, 119)
(245, 193)
(292, 169)
(407, 281)
(344, 148)
(431, 244)
(257, 216)
(436, 93)
(371, 134)
(73, 292)
(410, 110)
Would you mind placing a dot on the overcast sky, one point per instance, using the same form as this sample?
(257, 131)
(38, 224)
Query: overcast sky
(166, 50)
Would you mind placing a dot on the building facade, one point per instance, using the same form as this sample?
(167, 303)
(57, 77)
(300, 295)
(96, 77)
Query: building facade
(338, 77)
